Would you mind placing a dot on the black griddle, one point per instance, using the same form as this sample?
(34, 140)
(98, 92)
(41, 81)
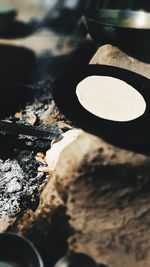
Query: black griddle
(133, 134)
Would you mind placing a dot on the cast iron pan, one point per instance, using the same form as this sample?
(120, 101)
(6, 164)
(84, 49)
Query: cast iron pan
(133, 135)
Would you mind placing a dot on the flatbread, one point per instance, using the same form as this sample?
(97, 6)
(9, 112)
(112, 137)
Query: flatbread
(110, 98)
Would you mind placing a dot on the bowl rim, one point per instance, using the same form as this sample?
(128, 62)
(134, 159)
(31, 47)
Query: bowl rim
(32, 247)
(123, 13)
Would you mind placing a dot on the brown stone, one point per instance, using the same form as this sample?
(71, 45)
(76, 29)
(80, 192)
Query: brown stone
(111, 55)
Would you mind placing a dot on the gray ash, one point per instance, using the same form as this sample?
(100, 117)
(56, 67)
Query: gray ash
(20, 185)
(20, 182)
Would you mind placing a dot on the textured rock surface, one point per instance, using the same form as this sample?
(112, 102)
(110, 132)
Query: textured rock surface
(106, 194)
(106, 200)
(111, 55)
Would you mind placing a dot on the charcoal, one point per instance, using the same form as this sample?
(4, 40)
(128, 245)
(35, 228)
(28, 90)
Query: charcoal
(28, 163)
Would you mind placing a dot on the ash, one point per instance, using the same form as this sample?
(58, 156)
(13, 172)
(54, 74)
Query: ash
(18, 189)
(20, 182)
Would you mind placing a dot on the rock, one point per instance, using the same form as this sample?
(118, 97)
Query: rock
(111, 55)
(103, 185)
(58, 149)
(105, 192)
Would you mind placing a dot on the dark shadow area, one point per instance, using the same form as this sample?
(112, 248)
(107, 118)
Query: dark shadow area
(142, 55)
(50, 236)
(134, 5)
(16, 29)
(82, 55)
(133, 182)
(13, 97)
(17, 64)
(53, 65)
(140, 149)
(11, 146)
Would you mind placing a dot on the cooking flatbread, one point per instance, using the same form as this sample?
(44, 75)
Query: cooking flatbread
(110, 98)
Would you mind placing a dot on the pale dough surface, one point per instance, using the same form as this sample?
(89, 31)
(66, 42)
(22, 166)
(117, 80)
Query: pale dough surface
(110, 98)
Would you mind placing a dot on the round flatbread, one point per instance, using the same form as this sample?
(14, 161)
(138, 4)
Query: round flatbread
(110, 98)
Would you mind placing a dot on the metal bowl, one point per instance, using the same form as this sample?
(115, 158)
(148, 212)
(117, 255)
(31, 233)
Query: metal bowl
(73, 259)
(17, 251)
(124, 28)
(122, 18)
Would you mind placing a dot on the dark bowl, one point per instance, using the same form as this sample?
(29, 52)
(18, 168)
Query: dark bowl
(17, 251)
(133, 39)
(73, 259)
